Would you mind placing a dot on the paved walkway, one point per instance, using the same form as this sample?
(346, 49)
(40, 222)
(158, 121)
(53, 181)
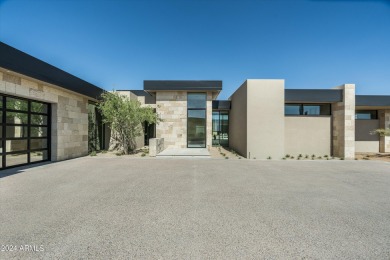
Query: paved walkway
(187, 152)
(121, 208)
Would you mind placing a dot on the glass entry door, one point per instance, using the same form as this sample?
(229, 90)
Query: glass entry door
(196, 120)
(221, 128)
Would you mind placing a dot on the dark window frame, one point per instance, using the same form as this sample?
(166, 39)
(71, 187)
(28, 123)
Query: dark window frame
(376, 114)
(204, 109)
(301, 109)
(28, 151)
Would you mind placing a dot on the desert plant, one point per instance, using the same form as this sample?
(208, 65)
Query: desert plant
(287, 156)
(381, 132)
(319, 157)
(292, 157)
(306, 156)
(93, 153)
(126, 118)
(226, 157)
(269, 158)
(300, 156)
(284, 158)
(143, 154)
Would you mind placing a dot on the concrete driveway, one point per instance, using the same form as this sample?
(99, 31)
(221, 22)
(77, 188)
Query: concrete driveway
(102, 208)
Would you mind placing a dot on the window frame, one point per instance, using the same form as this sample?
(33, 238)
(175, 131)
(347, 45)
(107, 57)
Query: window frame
(3, 138)
(301, 109)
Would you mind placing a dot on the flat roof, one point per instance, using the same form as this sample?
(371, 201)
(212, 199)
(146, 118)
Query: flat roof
(313, 95)
(23, 63)
(372, 100)
(183, 85)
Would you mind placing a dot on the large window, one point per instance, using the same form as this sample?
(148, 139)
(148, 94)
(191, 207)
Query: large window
(196, 120)
(307, 109)
(24, 131)
(366, 114)
(221, 127)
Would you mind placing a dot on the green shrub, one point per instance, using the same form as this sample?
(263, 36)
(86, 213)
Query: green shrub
(93, 153)
(269, 158)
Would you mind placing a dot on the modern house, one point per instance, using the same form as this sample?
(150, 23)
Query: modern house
(49, 114)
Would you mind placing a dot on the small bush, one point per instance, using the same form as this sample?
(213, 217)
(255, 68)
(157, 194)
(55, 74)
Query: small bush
(226, 157)
(143, 154)
(300, 156)
(269, 158)
(93, 153)
(284, 158)
(292, 157)
(319, 157)
(104, 151)
(306, 156)
(342, 158)
(287, 156)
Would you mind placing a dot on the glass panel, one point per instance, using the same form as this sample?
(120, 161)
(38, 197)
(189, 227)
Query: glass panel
(1, 115)
(216, 128)
(1, 161)
(196, 100)
(292, 109)
(15, 159)
(366, 114)
(39, 107)
(16, 104)
(16, 118)
(38, 119)
(224, 136)
(1, 146)
(38, 131)
(196, 128)
(16, 131)
(38, 156)
(38, 143)
(16, 145)
(316, 109)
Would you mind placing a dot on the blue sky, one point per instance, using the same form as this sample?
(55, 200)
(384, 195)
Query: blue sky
(117, 44)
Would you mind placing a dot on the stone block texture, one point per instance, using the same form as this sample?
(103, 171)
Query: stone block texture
(343, 129)
(69, 121)
(171, 106)
(384, 122)
(156, 146)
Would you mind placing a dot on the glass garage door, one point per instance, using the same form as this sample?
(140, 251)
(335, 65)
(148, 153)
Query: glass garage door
(24, 131)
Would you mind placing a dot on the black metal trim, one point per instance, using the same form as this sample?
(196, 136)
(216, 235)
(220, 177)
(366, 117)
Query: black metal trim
(313, 95)
(203, 109)
(4, 137)
(183, 85)
(23, 63)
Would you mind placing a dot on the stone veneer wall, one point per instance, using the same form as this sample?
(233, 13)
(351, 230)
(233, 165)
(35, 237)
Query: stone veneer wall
(343, 133)
(384, 122)
(172, 109)
(69, 122)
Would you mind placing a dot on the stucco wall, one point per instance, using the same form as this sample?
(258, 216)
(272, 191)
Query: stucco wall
(238, 120)
(363, 129)
(367, 146)
(69, 120)
(265, 118)
(308, 135)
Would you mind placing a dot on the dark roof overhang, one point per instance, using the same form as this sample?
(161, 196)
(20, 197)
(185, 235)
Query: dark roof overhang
(313, 95)
(372, 101)
(22, 63)
(183, 85)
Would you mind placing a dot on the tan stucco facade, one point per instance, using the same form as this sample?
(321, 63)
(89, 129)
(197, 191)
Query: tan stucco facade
(69, 119)
(308, 136)
(238, 120)
(257, 119)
